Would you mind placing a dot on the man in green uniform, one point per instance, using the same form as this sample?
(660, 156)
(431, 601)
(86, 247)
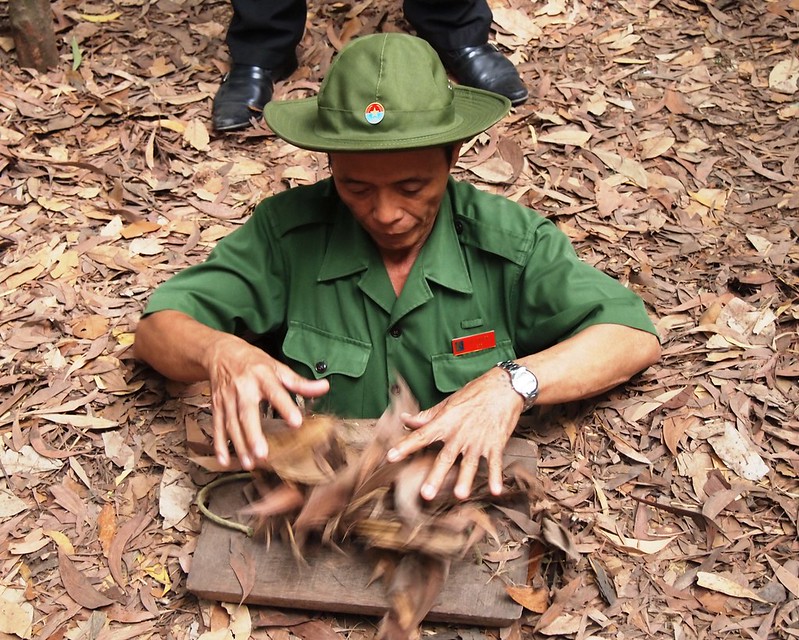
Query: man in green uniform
(393, 268)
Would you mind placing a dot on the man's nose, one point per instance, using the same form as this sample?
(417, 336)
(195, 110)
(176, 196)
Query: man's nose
(386, 209)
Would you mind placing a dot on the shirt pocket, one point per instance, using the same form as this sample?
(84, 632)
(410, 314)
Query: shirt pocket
(325, 353)
(451, 372)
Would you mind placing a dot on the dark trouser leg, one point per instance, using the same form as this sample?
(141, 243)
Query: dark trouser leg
(458, 30)
(262, 38)
(450, 24)
(265, 33)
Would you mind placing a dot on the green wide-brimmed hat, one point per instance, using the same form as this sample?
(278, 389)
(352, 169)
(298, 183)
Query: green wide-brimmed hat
(385, 92)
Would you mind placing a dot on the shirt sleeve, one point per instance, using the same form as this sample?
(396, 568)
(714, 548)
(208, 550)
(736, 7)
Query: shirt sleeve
(560, 295)
(241, 286)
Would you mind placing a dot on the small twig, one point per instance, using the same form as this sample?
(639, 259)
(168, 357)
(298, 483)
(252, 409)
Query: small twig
(202, 500)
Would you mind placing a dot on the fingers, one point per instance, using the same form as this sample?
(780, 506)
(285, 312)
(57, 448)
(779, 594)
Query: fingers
(281, 400)
(220, 436)
(303, 386)
(418, 420)
(240, 381)
(254, 448)
(466, 474)
(238, 421)
(444, 461)
(411, 443)
(417, 440)
(463, 449)
(495, 468)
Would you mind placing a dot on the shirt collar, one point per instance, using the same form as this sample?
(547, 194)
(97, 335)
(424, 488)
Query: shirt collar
(349, 248)
(441, 257)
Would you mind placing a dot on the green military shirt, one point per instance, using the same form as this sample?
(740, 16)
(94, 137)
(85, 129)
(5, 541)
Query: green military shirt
(303, 270)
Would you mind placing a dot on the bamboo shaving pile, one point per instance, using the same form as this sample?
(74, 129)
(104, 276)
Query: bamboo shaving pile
(329, 482)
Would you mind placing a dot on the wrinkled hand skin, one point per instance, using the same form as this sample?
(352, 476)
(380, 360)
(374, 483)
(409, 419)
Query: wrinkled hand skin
(473, 423)
(242, 376)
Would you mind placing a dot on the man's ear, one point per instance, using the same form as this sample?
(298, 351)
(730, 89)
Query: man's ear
(456, 153)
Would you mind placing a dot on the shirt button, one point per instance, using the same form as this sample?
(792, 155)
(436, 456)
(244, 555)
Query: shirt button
(395, 332)
(320, 366)
(458, 227)
(394, 389)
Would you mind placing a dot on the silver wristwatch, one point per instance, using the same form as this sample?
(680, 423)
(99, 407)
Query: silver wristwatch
(522, 380)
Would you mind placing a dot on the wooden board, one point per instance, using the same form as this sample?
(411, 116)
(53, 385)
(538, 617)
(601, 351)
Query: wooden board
(337, 583)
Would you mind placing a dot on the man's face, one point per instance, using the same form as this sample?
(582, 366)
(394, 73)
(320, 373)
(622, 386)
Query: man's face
(394, 195)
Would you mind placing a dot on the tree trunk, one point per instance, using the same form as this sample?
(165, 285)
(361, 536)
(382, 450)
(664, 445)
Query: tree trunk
(34, 36)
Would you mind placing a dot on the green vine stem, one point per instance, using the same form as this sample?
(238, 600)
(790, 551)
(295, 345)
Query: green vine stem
(202, 500)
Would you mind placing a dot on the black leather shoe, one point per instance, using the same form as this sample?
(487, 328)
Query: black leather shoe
(486, 68)
(244, 92)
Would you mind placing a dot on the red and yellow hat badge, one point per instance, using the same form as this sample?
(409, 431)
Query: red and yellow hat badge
(374, 113)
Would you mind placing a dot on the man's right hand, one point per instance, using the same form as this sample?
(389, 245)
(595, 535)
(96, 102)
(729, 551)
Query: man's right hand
(241, 377)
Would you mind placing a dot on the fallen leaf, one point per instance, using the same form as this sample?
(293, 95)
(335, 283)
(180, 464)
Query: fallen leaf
(784, 77)
(788, 579)
(625, 166)
(564, 625)
(146, 246)
(566, 136)
(80, 421)
(657, 146)
(62, 541)
(635, 545)
(108, 17)
(10, 505)
(558, 536)
(196, 134)
(106, 527)
(175, 497)
(78, 586)
(90, 327)
(26, 460)
(715, 582)
(713, 199)
(738, 454)
(495, 170)
(244, 566)
(535, 600)
(16, 618)
(240, 621)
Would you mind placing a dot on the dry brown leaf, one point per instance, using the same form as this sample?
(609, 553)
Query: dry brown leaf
(657, 146)
(725, 585)
(196, 134)
(784, 77)
(566, 136)
(78, 586)
(738, 453)
(636, 546)
(535, 600)
(107, 527)
(244, 566)
(121, 538)
(558, 536)
(789, 580)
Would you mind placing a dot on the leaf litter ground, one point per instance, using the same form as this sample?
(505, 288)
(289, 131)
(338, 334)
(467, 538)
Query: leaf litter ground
(662, 137)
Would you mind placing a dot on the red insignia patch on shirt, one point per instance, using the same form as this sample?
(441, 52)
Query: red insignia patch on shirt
(475, 342)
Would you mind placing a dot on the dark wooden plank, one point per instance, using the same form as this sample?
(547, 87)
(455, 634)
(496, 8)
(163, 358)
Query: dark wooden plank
(337, 582)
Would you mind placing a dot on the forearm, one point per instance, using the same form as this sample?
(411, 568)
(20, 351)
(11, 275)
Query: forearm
(595, 360)
(475, 422)
(176, 345)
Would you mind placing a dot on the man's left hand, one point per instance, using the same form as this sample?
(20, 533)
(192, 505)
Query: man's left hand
(473, 423)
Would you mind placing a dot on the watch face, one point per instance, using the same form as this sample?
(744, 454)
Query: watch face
(525, 382)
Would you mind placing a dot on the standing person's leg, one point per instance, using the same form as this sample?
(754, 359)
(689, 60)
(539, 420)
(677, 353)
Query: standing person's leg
(262, 38)
(458, 30)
